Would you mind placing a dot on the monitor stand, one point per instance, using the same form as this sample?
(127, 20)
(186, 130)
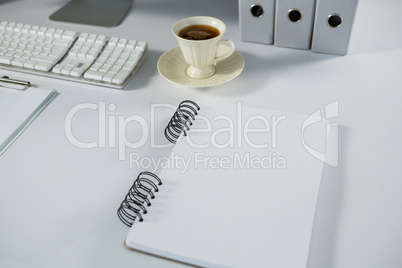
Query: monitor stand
(107, 13)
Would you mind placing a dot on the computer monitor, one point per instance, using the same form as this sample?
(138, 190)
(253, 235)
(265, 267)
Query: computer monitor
(107, 13)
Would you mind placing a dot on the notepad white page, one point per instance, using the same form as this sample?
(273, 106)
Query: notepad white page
(236, 211)
(18, 108)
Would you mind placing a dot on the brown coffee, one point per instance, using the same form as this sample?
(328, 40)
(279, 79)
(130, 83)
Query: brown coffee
(198, 32)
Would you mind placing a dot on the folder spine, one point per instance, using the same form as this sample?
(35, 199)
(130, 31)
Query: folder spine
(257, 20)
(294, 21)
(333, 26)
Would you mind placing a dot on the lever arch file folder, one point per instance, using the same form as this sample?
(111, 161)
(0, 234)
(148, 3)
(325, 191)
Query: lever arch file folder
(294, 23)
(20, 104)
(239, 191)
(257, 19)
(333, 26)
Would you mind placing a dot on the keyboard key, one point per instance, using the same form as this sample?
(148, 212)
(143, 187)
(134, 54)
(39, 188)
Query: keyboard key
(18, 27)
(128, 66)
(97, 47)
(142, 46)
(96, 75)
(5, 59)
(82, 52)
(110, 62)
(66, 70)
(92, 38)
(96, 66)
(58, 33)
(36, 51)
(114, 69)
(133, 58)
(109, 48)
(50, 32)
(61, 41)
(83, 37)
(43, 66)
(32, 37)
(105, 68)
(40, 39)
(101, 39)
(124, 57)
(34, 29)
(18, 54)
(30, 64)
(57, 68)
(77, 72)
(42, 31)
(87, 45)
(113, 41)
(48, 59)
(3, 25)
(118, 50)
(70, 35)
(26, 55)
(122, 43)
(119, 64)
(74, 51)
(10, 26)
(18, 62)
(120, 77)
(127, 51)
(114, 56)
(59, 53)
(108, 77)
(25, 28)
(92, 54)
(131, 44)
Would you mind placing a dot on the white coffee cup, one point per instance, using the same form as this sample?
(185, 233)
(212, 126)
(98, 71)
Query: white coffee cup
(202, 55)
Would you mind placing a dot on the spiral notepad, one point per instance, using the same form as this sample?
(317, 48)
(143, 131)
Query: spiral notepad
(231, 204)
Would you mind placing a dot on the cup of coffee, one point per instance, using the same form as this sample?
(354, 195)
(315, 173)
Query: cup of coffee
(200, 40)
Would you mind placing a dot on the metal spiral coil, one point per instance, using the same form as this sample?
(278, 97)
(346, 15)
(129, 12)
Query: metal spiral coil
(181, 120)
(137, 198)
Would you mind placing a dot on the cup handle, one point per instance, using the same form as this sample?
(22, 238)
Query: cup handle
(225, 48)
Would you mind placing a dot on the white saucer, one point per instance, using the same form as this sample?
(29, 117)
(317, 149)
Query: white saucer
(171, 65)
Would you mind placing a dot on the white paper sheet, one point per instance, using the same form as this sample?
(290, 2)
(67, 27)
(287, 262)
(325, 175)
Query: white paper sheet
(18, 108)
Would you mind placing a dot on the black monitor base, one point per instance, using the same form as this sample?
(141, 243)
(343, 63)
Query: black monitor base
(106, 13)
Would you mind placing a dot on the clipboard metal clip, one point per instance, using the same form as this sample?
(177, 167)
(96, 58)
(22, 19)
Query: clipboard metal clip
(17, 84)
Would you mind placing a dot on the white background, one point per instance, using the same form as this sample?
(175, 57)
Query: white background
(58, 203)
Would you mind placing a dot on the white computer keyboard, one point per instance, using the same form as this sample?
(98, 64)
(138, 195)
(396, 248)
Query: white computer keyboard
(81, 57)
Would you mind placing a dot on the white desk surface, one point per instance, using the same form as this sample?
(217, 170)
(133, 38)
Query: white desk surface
(58, 202)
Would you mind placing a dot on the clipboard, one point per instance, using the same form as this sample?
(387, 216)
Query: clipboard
(20, 103)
